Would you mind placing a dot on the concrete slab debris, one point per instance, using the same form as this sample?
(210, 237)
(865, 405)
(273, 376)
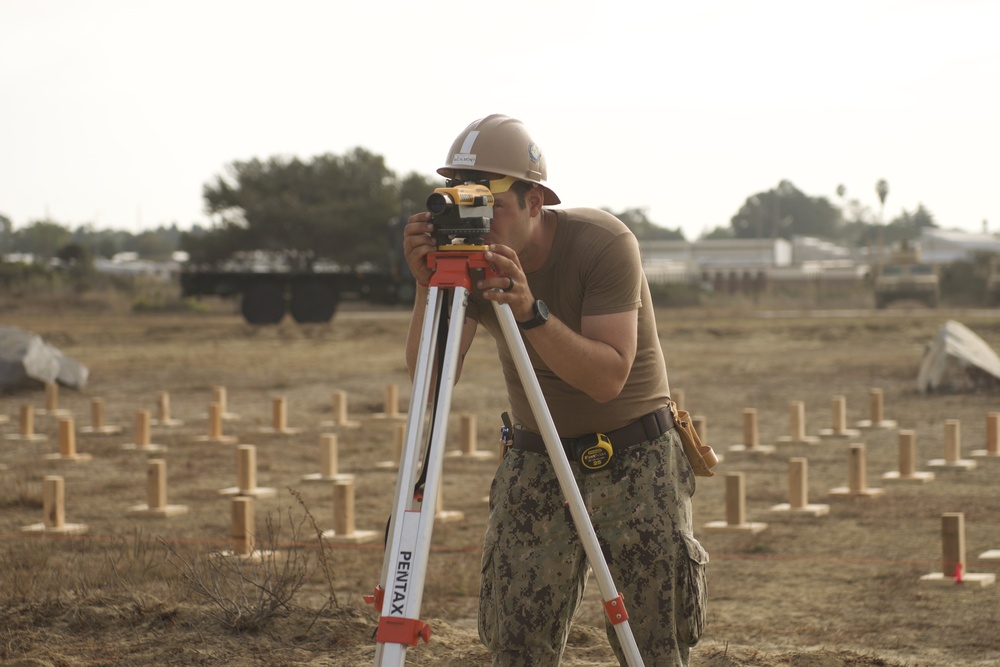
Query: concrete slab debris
(958, 361)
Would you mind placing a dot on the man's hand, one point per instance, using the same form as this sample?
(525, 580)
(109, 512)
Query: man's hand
(418, 242)
(511, 285)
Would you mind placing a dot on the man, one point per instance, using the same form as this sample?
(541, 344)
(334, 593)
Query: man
(574, 282)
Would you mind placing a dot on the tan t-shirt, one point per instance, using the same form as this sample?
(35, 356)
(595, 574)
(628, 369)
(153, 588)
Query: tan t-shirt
(593, 268)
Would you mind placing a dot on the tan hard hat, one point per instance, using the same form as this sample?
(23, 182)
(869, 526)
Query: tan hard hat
(499, 144)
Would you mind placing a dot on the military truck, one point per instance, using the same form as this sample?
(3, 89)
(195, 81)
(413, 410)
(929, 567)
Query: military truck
(904, 276)
(266, 296)
(992, 290)
(269, 287)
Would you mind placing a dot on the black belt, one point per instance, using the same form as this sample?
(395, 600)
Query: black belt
(645, 428)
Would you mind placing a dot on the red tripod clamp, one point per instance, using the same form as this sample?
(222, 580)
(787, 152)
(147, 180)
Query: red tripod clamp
(396, 630)
(376, 598)
(615, 609)
(453, 268)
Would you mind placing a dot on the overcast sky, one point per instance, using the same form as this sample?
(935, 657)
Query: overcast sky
(116, 113)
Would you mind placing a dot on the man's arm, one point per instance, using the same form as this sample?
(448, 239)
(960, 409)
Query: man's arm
(597, 361)
(413, 335)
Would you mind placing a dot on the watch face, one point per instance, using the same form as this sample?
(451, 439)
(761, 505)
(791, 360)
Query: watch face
(541, 315)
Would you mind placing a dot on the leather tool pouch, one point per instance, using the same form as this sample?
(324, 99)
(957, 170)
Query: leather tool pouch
(701, 457)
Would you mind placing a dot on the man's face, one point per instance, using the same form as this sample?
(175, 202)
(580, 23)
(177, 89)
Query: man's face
(510, 221)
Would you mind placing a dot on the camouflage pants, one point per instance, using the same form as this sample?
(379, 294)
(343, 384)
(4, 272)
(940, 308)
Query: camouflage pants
(535, 570)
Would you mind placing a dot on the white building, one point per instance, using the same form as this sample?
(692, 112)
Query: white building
(944, 246)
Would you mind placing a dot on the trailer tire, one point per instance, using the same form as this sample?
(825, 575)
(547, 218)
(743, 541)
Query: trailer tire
(312, 301)
(263, 303)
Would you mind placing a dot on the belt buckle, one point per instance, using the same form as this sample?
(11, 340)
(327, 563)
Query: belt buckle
(593, 452)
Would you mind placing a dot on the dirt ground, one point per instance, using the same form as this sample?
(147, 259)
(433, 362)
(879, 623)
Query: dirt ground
(841, 589)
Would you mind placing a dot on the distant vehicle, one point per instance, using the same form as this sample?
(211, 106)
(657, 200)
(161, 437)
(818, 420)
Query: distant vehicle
(268, 288)
(993, 283)
(905, 277)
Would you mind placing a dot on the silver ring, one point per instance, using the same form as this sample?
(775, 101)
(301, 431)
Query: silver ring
(510, 286)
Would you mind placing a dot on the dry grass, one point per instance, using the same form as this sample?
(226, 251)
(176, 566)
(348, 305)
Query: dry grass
(838, 591)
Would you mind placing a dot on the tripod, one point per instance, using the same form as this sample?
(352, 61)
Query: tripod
(404, 567)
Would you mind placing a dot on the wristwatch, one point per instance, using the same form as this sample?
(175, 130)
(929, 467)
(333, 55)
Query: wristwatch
(541, 315)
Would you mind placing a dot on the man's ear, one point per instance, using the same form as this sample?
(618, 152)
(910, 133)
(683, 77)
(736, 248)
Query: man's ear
(535, 199)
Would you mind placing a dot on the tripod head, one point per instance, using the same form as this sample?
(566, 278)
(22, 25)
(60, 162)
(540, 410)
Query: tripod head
(459, 266)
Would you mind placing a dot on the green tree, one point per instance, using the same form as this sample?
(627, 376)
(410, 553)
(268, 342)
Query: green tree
(153, 245)
(909, 226)
(6, 232)
(645, 229)
(42, 238)
(336, 207)
(784, 212)
(718, 234)
(413, 191)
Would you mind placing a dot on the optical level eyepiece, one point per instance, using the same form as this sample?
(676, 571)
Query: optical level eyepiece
(439, 203)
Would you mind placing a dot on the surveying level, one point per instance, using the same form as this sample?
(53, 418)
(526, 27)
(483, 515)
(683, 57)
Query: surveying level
(404, 567)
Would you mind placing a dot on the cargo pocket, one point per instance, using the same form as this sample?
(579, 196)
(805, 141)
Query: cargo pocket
(691, 594)
(487, 600)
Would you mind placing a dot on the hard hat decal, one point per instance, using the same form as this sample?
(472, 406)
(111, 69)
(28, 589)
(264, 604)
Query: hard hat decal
(470, 139)
(465, 157)
(534, 152)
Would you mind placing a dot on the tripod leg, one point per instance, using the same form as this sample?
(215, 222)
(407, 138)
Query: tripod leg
(613, 603)
(405, 562)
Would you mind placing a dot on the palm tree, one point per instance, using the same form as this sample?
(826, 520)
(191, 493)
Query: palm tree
(882, 189)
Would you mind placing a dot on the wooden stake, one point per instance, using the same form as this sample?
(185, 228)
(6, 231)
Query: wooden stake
(163, 417)
(797, 426)
(27, 426)
(221, 396)
(952, 460)
(51, 408)
(735, 508)
(440, 513)
(241, 533)
(839, 427)
(340, 418)
(798, 492)
(143, 434)
(54, 502)
(156, 494)
(391, 404)
(97, 424)
(328, 461)
(907, 461)
(344, 530)
(67, 443)
(215, 410)
(953, 570)
(246, 475)
(751, 440)
(750, 435)
(279, 418)
(857, 481)
(677, 396)
(877, 418)
(399, 440)
(469, 434)
(54, 508)
(992, 450)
